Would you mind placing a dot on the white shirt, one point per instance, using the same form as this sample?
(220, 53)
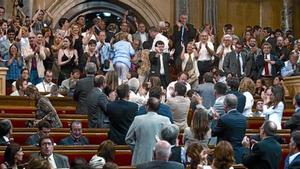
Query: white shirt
(241, 62)
(44, 87)
(160, 37)
(52, 161)
(274, 115)
(292, 157)
(15, 93)
(203, 53)
(143, 37)
(171, 88)
(269, 66)
(249, 103)
(6, 139)
(225, 51)
(162, 69)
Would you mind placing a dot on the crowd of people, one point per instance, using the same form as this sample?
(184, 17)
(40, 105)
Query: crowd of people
(141, 82)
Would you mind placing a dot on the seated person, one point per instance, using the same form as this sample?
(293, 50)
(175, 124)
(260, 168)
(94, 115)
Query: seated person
(183, 77)
(44, 129)
(75, 137)
(46, 84)
(24, 76)
(291, 68)
(5, 132)
(21, 85)
(46, 145)
(54, 92)
(68, 85)
(259, 110)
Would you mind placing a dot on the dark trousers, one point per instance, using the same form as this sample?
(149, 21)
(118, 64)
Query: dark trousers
(203, 67)
(164, 81)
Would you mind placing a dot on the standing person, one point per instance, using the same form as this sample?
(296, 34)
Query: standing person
(121, 114)
(156, 36)
(294, 122)
(91, 55)
(122, 53)
(83, 87)
(292, 161)
(67, 59)
(247, 87)
(104, 50)
(274, 104)
(232, 126)
(206, 90)
(223, 49)
(160, 62)
(14, 64)
(266, 153)
(13, 157)
(233, 86)
(97, 104)
(143, 131)
(78, 44)
(45, 110)
(141, 34)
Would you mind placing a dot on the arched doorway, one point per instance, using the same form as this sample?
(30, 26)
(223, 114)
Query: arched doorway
(72, 8)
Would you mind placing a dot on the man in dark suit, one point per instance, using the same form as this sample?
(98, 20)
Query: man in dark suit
(292, 161)
(264, 154)
(121, 114)
(235, 62)
(231, 126)
(5, 132)
(83, 87)
(294, 122)
(160, 62)
(44, 129)
(233, 85)
(46, 152)
(267, 33)
(141, 34)
(96, 105)
(161, 156)
(75, 137)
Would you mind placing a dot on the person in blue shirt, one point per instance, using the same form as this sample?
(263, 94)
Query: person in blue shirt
(14, 63)
(164, 109)
(291, 68)
(104, 50)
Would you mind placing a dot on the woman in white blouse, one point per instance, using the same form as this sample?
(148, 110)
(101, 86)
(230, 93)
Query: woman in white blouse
(247, 87)
(274, 104)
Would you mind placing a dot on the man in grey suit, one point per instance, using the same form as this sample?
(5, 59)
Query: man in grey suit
(162, 154)
(235, 62)
(83, 87)
(46, 152)
(141, 34)
(144, 130)
(96, 102)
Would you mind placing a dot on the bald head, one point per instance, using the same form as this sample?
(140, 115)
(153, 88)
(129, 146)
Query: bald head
(269, 128)
(153, 104)
(162, 150)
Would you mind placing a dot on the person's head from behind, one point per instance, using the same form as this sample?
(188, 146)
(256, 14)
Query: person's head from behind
(154, 81)
(44, 128)
(162, 150)
(13, 154)
(208, 77)
(107, 151)
(90, 68)
(123, 91)
(133, 84)
(112, 79)
(32, 92)
(38, 163)
(224, 155)
(153, 104)
(200, 124)
(295, 142)
(183, 77)
(233, 83)
(247, 85)
(170, 133)
(156, 92)
(54, 91)
(76, 129)
(46, 146)
(153, 31)
(193, 153)
(79, 163)
(180, 89)
(100, 81)
(48, 76)
(110, 165)
(230, 102)
(220, 89)
(5, 127)
(268, 129)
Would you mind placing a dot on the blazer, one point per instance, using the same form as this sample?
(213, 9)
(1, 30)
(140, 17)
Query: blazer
(241, 100)
(29, 54)
(121, 114)
(230, 64)
(155, 64)
(141, 136)
(61, 161)
(260, 61)
(294, 122)
(70, 141)
(96, 102)
(206, 90)
(265, 154)
(232, 128)
(82, 89)
(164, 110)
(33, 140)
(295, 164)
(3, 142)
(137, 36)
(160, 165)
(188, 36)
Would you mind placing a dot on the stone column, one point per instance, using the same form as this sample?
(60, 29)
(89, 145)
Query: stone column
(287, 15)
(210, 12)
(3, 71)
(182, 7)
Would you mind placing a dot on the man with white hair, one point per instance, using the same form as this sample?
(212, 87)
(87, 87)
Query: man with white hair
(134, 85)
(162, 152)
(223, 49)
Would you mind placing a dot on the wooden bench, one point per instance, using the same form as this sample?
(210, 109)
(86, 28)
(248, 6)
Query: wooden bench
(256, 122)
(285, 134)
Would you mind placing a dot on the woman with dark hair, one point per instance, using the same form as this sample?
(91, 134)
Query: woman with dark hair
(91, 55)
(67, 59)
(106, 153)
(278, 80)
(274, 104)
(260, 86)
(195, 155)
(199, 130)
(13, 156)
(44, 108)
(37, 163)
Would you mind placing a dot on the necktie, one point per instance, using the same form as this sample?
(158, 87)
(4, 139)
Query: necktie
(266, 67)
(189, 64)
(239, 66)
(182, 32)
